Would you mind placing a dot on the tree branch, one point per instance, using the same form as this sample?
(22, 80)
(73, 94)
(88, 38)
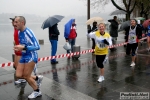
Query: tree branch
(118, 7)
(133, 6)
(125, 3)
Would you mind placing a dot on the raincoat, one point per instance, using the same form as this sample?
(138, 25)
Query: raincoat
(67, 30)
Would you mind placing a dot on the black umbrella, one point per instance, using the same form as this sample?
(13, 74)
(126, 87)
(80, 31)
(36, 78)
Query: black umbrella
(124, 25)
(49, 22)
(110, 20)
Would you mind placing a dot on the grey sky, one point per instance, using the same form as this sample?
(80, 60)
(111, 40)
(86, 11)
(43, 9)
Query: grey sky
(48, 7)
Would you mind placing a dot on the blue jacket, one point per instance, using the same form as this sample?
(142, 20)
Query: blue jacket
(68, 27)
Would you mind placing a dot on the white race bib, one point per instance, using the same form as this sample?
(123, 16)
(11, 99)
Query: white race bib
(101, 45)
(132, 38)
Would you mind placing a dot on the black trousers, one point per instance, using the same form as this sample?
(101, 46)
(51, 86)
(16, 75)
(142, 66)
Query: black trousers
(99, 60)
(131, 47)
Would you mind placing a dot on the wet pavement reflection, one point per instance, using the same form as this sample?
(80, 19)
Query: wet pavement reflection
(78, 81)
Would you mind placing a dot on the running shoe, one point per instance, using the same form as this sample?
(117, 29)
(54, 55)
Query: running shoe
(101, 78)
(34, 94)
(19, 81)
(132, 64)
(39, 81)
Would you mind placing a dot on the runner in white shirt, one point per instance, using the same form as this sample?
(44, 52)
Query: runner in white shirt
(134, 33)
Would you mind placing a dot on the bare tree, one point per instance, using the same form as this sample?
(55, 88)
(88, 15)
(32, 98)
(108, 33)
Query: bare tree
(144, 7)
(129, 6)
(125, 5)
(98, 4)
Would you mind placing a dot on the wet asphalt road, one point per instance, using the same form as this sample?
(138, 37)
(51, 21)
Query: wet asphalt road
(78, 81)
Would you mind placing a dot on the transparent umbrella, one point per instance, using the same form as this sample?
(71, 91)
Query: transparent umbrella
(94, 19)
(140, 18)
(117, 12)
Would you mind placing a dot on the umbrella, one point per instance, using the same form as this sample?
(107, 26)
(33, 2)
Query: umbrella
(68, 27)
(49, 22)
(117, 12)
(110, 20)
(94, 19)
(146, 23)
(140, 18)
(124, 25)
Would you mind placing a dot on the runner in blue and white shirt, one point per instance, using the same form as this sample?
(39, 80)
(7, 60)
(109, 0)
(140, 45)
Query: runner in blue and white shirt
(148, 36)
(28, 45)
(27, 39)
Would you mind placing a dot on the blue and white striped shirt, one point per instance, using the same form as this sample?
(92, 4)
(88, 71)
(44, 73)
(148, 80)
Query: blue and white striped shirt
(28, 39)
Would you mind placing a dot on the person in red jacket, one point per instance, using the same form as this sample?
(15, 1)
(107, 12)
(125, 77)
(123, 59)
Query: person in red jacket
(70, 34)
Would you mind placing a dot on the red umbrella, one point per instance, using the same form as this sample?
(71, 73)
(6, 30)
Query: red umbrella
(146, 23)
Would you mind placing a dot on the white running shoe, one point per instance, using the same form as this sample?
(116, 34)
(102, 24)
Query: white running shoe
(39, 81)
(34, 94)
(132, 64)
(19, 81)
(101, 78)
(23, 81)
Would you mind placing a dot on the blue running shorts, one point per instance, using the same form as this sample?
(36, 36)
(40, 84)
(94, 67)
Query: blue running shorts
(29, 58)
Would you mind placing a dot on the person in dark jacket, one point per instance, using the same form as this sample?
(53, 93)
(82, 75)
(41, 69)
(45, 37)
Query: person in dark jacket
(94, 28)
(53, 37)
(134, 34)
(114, 30)
(89, 29)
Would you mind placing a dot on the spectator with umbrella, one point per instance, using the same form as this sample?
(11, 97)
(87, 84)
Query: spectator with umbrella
(70, 33)
(53, 37)
(94, 28)
(51, 24)
(114, 30)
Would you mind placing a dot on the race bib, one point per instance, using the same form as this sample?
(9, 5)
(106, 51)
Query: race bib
(132, 38)
(101, 45)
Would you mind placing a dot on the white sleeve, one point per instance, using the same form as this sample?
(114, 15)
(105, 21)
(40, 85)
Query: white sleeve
(91, 35)
(110, 41)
